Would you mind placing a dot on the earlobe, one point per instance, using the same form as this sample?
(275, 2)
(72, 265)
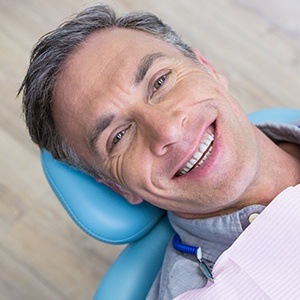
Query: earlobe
(212, 70)
(129, 196)
(132, 198)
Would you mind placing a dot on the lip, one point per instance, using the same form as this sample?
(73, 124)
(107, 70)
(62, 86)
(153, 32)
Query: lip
(207, 165)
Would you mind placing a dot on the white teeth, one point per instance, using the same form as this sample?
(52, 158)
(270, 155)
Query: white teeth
(206, 148)
(197, 155)
(194, 160)
(203, 147)
(189, 165)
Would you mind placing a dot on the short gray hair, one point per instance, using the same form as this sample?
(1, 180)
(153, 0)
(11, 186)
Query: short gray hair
(47, 60)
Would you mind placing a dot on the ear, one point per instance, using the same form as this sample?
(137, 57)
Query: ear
(129, 196)
(219, 77)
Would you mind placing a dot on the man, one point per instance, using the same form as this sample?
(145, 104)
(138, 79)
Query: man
(125, 100)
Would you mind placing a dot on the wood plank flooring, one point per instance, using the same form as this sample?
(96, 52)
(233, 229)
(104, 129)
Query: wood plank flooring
(43, 255)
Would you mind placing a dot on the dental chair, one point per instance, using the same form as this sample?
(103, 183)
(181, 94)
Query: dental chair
(107, 217)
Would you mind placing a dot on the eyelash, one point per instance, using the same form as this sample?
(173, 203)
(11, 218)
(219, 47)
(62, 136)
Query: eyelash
(160, 81)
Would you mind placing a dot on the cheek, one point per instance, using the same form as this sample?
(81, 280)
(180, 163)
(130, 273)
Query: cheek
(140, 171)
(196, 91)
(130, 168)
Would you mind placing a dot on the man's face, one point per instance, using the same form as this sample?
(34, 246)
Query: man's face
(156, 123)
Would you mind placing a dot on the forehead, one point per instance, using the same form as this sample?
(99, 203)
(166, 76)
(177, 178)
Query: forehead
(118, 44)
(114, 40)
(106, 58)
(108, 55)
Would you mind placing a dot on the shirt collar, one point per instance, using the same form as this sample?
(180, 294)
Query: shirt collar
(214, 235)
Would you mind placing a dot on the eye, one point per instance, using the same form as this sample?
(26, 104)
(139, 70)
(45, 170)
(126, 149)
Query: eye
(159, 82)
(118, 137)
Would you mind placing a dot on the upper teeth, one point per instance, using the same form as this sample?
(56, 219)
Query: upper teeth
(203, 152)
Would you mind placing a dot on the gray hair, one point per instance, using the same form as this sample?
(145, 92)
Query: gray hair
(47, 60)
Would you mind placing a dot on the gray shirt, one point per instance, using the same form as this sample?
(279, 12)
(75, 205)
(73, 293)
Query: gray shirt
(180, 271)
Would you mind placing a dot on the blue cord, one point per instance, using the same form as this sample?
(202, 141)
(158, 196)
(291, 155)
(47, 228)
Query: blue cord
(183, 247)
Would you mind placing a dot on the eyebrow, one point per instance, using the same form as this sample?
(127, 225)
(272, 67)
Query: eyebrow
(103, 123)
(98, 129)
(145, 65)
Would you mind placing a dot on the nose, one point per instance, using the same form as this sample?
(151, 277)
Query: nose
(162, 129)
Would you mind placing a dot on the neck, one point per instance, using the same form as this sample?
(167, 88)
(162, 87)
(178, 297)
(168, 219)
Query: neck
(279, 169)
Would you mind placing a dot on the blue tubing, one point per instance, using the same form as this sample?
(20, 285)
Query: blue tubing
(178, 245)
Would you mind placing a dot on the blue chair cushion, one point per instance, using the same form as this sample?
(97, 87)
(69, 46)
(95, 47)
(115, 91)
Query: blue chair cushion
(95, 208)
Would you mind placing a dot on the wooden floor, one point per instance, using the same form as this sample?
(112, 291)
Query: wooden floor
(43, 255)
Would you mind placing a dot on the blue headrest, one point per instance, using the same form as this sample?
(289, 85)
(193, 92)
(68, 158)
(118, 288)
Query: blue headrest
(95, 208)
(104, 214)
(276, 115)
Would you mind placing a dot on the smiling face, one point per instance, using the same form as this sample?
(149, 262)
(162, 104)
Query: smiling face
(156, 123)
